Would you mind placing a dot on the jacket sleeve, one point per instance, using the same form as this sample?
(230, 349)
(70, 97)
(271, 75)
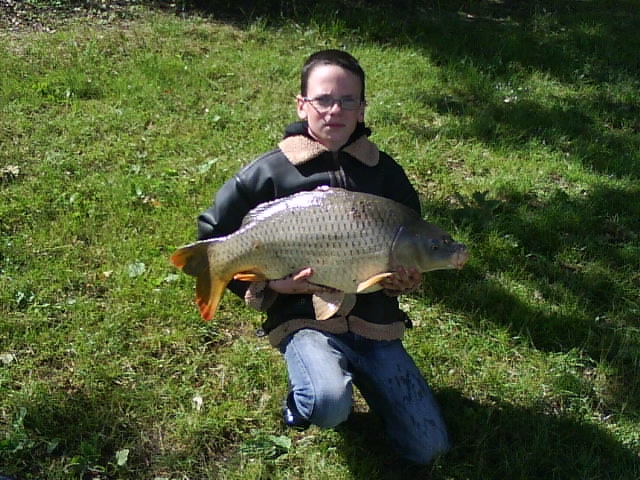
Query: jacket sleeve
(222, 218)
(398, 187)
(225, 215)
(247, 189)
(260, 181)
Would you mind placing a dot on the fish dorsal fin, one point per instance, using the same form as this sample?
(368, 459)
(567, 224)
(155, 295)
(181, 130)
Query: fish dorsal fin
(371, 282)
(283, 204)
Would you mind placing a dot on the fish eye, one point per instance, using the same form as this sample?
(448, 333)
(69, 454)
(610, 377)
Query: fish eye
(435, 244)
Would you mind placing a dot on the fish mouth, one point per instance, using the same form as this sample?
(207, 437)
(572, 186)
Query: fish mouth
(460, 258)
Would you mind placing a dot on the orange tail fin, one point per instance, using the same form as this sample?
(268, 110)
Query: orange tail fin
(194, 260)
(209, 292)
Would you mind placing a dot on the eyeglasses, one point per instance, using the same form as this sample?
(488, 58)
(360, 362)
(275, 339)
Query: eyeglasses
(324, 103)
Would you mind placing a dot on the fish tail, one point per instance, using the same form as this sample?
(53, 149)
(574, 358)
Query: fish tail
(209, 292)
(191, 259)
(194, 260)
(180, 257)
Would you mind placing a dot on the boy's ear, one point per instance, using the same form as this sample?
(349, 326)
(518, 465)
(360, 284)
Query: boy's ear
(300, 107)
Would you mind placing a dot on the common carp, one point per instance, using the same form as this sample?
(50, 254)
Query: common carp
(351, 240)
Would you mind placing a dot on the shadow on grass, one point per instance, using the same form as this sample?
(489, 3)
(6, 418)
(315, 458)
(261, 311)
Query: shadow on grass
(482, 47)
(478, 44)
(584, 43)
(498, 441)
(578, 252)
(77, 430)
(574, 127)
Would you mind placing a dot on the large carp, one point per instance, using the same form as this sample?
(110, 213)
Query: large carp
(351, 240)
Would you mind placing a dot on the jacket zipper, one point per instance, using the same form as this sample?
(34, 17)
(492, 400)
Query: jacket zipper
(338, 177)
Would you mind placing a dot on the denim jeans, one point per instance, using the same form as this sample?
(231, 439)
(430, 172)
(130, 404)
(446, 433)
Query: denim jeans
(323, 368)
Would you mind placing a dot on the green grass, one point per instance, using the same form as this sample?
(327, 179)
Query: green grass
(519, 126)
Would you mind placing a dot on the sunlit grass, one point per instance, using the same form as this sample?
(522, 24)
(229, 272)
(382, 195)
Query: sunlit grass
(521, 137)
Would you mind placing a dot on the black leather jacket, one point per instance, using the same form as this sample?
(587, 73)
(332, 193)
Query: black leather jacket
(300, 163)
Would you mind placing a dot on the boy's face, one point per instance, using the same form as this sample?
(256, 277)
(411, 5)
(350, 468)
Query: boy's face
(331, 127)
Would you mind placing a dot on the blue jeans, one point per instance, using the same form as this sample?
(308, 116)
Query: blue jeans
(323, 368)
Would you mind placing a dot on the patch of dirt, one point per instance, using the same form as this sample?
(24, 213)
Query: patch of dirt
(18, 16)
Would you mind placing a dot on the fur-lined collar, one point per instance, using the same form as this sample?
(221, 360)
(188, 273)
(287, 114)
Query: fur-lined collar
(300, 148)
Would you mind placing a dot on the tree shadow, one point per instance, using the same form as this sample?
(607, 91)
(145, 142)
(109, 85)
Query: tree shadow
(582, 249)
(566, 250)
(591, 39)
(495, 441)
(586, 43)
(75, 429)
(567, 247)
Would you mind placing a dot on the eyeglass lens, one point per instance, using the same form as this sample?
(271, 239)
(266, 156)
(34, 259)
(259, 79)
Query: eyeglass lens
(326, 102)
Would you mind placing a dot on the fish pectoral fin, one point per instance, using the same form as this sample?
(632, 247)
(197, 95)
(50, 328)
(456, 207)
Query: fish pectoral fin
(372, 281)
(250, 276)
(327, 304)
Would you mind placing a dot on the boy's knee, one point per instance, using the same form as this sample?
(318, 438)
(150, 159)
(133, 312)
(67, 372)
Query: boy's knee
(423, 453)
(331, 410)
(326, 409)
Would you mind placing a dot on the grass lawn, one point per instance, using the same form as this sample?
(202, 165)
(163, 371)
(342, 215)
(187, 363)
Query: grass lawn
(519, 124)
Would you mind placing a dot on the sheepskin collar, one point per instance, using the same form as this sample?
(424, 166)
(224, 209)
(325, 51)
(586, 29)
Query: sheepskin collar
(299, 147)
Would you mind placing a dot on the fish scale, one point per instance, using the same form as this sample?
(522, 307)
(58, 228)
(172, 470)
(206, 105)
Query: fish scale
(321, 235)
(351, 240)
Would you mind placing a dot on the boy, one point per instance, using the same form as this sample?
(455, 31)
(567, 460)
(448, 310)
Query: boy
(361, 347)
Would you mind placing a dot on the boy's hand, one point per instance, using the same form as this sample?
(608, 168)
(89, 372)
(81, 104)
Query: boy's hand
(402, 281)
(297, 283)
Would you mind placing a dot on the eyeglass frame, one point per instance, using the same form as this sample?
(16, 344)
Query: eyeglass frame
(339, 101)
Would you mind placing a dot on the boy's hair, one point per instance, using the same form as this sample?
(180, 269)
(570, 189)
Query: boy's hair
(330, 57)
